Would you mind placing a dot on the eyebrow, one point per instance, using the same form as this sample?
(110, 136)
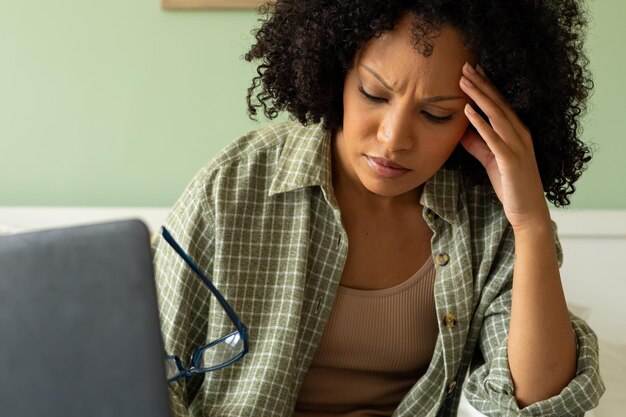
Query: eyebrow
(378, 77)
(433, 99)
(436, 99)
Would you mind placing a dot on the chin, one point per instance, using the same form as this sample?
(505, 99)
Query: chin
(387, 189)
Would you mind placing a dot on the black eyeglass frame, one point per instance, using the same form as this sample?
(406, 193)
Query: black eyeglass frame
(197, 354)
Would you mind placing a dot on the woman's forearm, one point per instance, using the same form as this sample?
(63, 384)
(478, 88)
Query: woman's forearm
(541, 347)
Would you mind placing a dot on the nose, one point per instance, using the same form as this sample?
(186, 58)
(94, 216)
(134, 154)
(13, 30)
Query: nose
(396, 130)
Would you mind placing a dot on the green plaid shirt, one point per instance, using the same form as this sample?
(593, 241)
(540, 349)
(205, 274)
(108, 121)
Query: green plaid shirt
(262, 219)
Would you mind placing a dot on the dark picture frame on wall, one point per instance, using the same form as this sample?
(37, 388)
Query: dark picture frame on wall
(211, 4)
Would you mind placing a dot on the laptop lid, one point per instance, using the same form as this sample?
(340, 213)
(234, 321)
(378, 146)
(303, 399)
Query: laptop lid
(79, 324)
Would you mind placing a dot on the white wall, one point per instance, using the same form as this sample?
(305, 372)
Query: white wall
(594, 246)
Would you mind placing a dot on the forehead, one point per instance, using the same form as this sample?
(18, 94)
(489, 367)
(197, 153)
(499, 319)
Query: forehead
(396, 58)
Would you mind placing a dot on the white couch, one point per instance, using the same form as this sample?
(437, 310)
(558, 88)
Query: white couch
(594, 243)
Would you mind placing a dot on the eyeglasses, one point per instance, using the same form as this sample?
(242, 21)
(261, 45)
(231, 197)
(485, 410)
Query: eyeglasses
(221, 352)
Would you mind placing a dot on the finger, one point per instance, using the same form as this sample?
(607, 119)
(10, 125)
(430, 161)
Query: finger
(479, 78)
(485, 84)
(477, 147)
(487, 133)
(495, 113)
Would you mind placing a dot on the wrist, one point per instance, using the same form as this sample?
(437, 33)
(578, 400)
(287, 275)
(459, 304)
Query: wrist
(536, 220)
(539, 226)
(536, 241)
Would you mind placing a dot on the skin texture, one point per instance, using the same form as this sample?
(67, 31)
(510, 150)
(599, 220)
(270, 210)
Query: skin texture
(397, 126)
(394, 126)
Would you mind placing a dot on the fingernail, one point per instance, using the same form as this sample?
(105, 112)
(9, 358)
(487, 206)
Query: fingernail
(470, 68)
(466, 81)
(481, 71)
(469, 109)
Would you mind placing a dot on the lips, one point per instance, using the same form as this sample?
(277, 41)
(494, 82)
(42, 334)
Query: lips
(386, 168)
(386, 162)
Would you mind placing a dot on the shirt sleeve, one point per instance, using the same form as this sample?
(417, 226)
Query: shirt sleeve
(183, 298)
(489, 387)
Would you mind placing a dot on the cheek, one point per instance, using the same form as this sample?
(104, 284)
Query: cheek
(455, 132)
(446, 142)
(359, 122)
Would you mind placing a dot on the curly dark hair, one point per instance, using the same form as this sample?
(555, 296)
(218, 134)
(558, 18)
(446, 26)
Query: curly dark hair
(532, 50)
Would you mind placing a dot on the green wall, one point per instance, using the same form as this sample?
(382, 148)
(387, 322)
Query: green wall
(119, 103)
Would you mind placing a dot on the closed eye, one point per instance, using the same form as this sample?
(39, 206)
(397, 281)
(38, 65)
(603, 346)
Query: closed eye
(371, 97)
(429, 116)
(437, 119)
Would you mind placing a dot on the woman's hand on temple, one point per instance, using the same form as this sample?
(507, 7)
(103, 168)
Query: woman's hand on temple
(504, 147)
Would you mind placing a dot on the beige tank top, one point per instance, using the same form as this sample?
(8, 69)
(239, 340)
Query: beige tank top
(376, 345)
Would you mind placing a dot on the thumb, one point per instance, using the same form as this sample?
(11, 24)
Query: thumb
(476, 146)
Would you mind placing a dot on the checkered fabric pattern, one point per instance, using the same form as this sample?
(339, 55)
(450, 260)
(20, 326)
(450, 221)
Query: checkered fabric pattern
(262, 219)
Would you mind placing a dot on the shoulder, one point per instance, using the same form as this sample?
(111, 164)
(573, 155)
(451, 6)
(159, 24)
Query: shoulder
(270, 138)
(237, 177)
(249, 157)
(264, 166)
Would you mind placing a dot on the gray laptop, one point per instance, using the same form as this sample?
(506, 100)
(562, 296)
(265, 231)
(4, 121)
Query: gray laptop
(79, 325)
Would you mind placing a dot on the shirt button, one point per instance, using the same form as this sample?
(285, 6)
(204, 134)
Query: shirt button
(430, 214)
(442, 259)
(451, 386)
(450, 320)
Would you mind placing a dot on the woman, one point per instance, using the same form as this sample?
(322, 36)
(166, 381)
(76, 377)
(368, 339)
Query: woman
(396, 236)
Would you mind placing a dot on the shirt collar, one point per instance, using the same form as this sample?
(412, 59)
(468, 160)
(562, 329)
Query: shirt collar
(306, 161)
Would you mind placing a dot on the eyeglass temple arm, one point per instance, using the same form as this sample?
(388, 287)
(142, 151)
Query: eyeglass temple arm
(231, 313)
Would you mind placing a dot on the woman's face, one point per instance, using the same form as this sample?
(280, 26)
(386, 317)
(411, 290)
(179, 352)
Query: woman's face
(403, 112)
